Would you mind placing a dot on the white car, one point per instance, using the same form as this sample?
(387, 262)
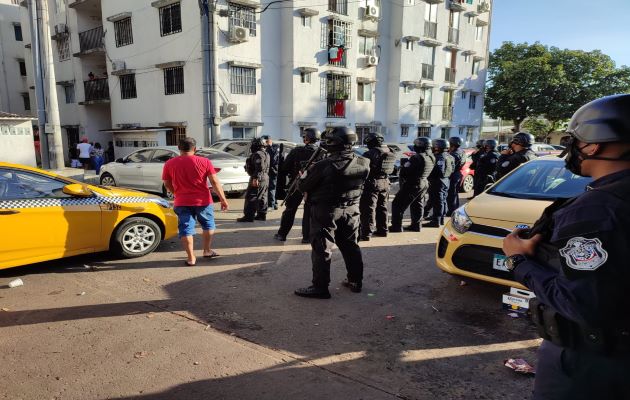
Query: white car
(142, 170)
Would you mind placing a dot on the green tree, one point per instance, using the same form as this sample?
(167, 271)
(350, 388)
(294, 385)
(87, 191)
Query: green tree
(538, 127)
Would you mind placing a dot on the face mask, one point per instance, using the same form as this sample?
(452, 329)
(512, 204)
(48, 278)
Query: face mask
(573, 161)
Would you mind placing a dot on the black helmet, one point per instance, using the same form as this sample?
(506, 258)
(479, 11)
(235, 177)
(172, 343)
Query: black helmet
(523, 139)
(440, 144)
(373, 139)
(312, 135)
(490, 143)
(455, 141)
(479, 144)
(257, 144)
(339, 137)
(421, 144)
(602, 121)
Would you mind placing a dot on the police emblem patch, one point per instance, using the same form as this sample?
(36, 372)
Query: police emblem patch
(584, 254)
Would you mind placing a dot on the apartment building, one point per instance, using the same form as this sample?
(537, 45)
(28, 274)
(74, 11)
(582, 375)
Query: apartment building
(131, 72)
(14, 93)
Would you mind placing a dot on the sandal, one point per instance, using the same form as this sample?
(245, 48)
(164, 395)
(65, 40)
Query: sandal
(211, 255)
(190, 264)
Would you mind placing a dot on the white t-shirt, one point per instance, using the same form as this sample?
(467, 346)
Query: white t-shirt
(84, 150)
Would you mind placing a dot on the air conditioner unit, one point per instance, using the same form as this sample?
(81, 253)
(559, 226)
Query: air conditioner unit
(372, 61)
(239, 34)
(61, 29)
(118, 65)
(372, 11)
(229, 109)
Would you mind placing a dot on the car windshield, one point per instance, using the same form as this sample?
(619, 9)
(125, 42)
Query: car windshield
(216, 155)
(541, 180)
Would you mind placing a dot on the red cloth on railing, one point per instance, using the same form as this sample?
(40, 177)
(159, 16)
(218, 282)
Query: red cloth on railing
(340, 108)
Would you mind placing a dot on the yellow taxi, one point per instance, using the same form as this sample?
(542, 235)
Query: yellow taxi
(44, 216)
(470, 242)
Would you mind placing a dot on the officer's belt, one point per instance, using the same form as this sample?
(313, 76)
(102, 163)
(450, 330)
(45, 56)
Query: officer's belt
(565, 333)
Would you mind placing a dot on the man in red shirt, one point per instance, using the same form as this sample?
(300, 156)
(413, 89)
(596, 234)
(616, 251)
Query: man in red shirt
(186, 177)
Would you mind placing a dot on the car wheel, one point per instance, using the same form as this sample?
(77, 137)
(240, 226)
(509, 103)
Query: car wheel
(108, 180)
(136, 237)
(166, 194)
(468, 184)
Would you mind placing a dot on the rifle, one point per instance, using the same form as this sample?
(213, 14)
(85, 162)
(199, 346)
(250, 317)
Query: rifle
(294, 184)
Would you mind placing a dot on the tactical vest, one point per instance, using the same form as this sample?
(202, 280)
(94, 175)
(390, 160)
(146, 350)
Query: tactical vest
(344, 176)
(385, 163)
(460, 159)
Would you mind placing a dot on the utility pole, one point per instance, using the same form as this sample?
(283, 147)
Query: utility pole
(51, 85)
(208, 49)
(39, 83)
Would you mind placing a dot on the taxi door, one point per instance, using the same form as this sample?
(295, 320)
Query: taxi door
(39, 222)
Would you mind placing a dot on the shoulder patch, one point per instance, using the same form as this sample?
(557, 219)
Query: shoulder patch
(584, 254)
(505, 164)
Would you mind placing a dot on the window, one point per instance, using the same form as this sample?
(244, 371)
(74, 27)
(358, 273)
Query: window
(409, 45)
(338, 6)
(305, 77)
(242, 133)
(445, 132)
(27, 101)
(162, 156)
(475, 67)
(471, 20)
(63, 48)
(464, 93)
(141, 156)
(339, 33)
(362, 132)
(22, 65)
(472, 101)
(366, 45)
(72, 133)
(176, 134)
(17, 28)
(404, 131)
(364, 92)
(242, 16)
(424, 131)
(479, 33)
(242, 80)
(173, 80)
(28, 185)
(406, 89)
(128, 86)
(69, 93)
(306, 21)
(122, 32)
(466, 58)
(461, 131)
(170, 19)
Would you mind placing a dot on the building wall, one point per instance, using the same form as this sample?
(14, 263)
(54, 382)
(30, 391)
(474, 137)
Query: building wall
(17, 146)
(12, 83)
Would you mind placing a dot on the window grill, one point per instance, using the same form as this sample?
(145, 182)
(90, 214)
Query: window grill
(96, 89)
(176, 134)
(122, 32)
(242, 16)
(91, 39)
(338, 87)
(128, 86)
(242, 80)
(170, 19)
(63, 48)
(449, 74)
(427, 71)
(424, 131)
(430, 29)
(69, 93)
(404, 131)
(425, 113)
(338, 6)
(173, 80)
(339, 33)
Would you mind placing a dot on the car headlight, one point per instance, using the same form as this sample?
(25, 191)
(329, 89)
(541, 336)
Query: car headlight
(460, 220)
(164, 203)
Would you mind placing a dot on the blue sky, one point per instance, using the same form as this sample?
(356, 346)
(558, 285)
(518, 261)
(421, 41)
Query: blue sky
(574, 24)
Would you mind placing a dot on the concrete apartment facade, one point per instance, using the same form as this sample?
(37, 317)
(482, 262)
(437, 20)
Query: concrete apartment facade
(131, 72)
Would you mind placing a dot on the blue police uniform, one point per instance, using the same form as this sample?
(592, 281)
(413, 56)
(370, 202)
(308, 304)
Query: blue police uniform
(581, 277)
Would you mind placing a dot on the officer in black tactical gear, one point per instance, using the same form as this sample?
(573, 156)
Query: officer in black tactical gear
(413, 186)
(518, 153)
(292, 165)
(274, 163)
(333, 186)
(257, 167)
(373, 204)
(486, 166)
(575, 259)
(439, 182)
(475, 159)
(459, 157)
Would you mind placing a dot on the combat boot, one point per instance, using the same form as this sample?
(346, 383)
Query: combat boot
(435, 223)
(354, 287)
(395, 228)
(279, 237)
(313, 292)
(380, 233)
(244, 219)
(261, 217)
(413, 228)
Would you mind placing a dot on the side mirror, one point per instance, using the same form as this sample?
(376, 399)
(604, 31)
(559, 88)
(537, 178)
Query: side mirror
(77, 190)
(120, 160)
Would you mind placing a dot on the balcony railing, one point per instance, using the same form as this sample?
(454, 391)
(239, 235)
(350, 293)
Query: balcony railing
(483, 7)
(453, 35)
(335, 108)
(342, 63)
(96, 90)
(449, 75)
(427, 71)
(430, 29)
(425, 113)
(458, 5)
(92, 39)
(447, 113)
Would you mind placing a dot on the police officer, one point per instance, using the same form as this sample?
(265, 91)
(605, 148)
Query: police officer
(475, 159)
(575, 260)
(459, 157)
(518, 153)
(333, 186)
(291, 166)
(257, 167)
(413, 186)
(373, 204)
(274, 162)
(486, 166)
(439, 182)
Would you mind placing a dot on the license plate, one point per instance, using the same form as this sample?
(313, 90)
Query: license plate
(498, 262)
(235, 187)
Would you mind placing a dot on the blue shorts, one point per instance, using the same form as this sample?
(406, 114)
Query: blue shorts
(186, 216)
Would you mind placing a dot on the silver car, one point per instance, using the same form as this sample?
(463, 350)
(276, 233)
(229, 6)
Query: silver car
(142, 170)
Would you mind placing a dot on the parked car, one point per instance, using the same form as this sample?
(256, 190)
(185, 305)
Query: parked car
(544, 149)
(142, 170)
(240, 147)
(468, 174)
(75, 218)
(470, 244)
(558, 147)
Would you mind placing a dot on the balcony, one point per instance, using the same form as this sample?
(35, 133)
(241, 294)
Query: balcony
(84, 4)
(425, 113)
(343, 63)
(449, 75)
(430, 29)
(453, 35)
(91, 41)
(428, 71)
(96, 91)
(335, 108)
(447, 113)
(483, 7)
(458, 5)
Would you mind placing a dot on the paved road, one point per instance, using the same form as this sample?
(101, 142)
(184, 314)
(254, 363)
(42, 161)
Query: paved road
(230, 328)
